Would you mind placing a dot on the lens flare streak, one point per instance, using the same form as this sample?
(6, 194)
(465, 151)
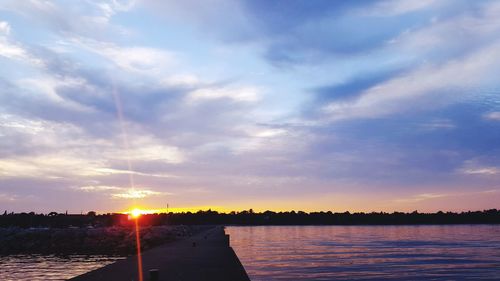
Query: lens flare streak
(138, 245)
(136, 213)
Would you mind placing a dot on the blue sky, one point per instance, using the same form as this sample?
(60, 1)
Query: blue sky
(231, 105)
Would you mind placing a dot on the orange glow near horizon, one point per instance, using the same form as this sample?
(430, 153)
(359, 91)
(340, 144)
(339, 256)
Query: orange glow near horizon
(136, 211)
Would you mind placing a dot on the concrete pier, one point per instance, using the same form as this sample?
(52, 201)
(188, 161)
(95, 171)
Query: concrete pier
(206, 256)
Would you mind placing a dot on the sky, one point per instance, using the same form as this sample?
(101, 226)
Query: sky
(231, 105)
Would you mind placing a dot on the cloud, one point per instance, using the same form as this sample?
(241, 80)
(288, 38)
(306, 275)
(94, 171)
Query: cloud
(98, 188)
(121, 192)
(450, 36)
(5, 198)
(48, 166)
(64, 150)
(289, 34)
(299, 33)
(266, 133)
(137, 58)
(433, 196)
(438, 124)
(85, 18)
(397, 7)
(28, 133)
(400, 93)
(484, 166)
(352, 88)
(15, 51)
(494, 116)
(227, 18)
(182, 80)
(421, 197)
(488, 171)
(155, 152)
(82, 159)
(4, 27)
(135, 194)
(110, 8)
(239, 94)
(51, 86)
(110, 171)
(456, 41)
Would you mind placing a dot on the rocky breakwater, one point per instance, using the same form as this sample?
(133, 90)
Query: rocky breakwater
(102, 240)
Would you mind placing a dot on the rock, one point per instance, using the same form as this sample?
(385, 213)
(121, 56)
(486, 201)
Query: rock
(101, 240)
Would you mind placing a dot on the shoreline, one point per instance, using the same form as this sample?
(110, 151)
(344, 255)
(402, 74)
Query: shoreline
(111, 241)
(120, 240)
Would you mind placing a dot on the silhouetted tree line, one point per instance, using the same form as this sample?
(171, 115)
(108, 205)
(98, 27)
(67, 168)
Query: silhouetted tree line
(250, 218)
(58, 220)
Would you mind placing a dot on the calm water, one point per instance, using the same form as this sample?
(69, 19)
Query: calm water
(37, 267)
(461, 252)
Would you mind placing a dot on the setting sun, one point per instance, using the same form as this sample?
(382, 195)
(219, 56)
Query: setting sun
(135, 213)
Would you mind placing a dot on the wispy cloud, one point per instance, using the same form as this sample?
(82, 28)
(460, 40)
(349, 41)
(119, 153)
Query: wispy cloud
(135, 194)
(482, 171)
(494, 116)
(86, 18)
(438, 124)
(241, 94)
(479, 167)
(138, 59)
(99, 188)
(4, 27)
(395, 7)
(422, 197)
(110, 171)
(419, 86)
(433, 196)
(4, 197)
(121, 192)
(15, 51)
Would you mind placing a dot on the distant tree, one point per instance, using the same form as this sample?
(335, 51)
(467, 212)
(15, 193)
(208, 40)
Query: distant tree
(91, 214)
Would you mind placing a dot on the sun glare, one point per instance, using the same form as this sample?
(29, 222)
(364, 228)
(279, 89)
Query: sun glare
(135, 213)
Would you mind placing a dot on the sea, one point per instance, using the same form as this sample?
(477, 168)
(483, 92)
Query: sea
(49, 267)
(421, 252)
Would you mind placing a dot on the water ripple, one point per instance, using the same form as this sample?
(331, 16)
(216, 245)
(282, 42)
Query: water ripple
(49, 267)
(456, 252)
